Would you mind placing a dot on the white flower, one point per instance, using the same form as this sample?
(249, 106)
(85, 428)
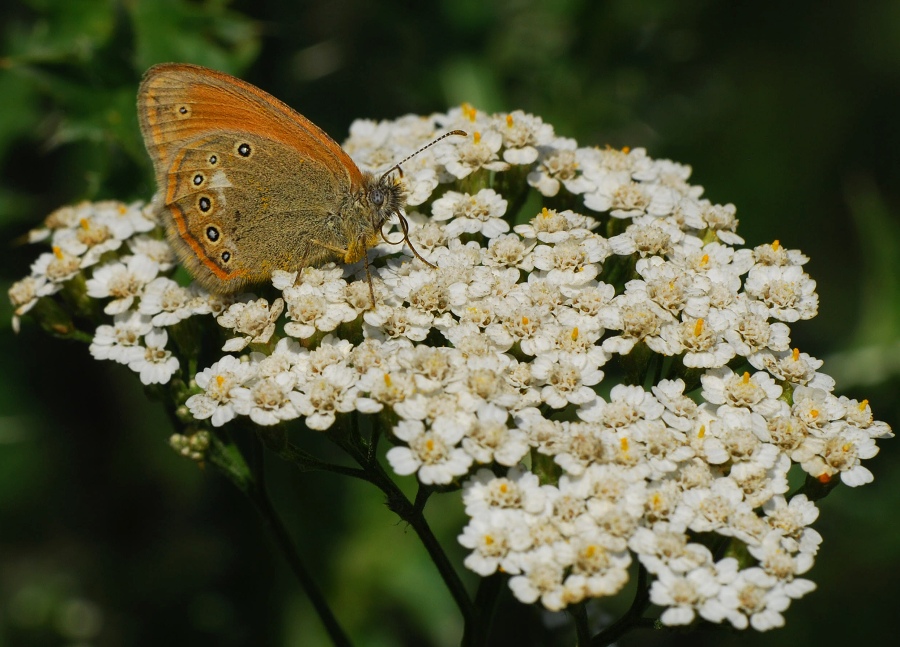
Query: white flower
(57, 266)
(775, 254)
(490, 356)
(471, 214)
(331, 392)
(90, 240)
(665, 448)
(167, 302)
(494, 538)
(841, 453)
(757, 392)
(541, 579)
(702, 341)
(639, 320)
(859, 414)
(713, 506)
(576, 446)
(217, 402)
(470, 154)
(62, 218)
(567, 380)
(816, 410)
(431, 369)
(386, 322)
(267, 400)
(518, 490)
(24, 295)
(528, 327)
(155, 249)
(559, 164)
(155, 364)
(551, 226)
(122, 281)
(113, 342)
(665, 547)
(522, 133)
(786, 290)
(721, 219)
(573, 262)
(597, 571)
(431, 453)
(490, 439)
(680, 411)
(755, 595)
(312, 308)
(752, 332)
(685, 595)
(792, 520)
(255, 320)
(793, 366)
(647, 239)
(776, 556)
(508, 250)
(607, 183)
(124, 220)
(628, 407)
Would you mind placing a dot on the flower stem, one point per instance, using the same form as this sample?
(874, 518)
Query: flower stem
(412, 513)
(477, 632)
(398, 502)
(582, 628)
(306, 462)
(259, 496)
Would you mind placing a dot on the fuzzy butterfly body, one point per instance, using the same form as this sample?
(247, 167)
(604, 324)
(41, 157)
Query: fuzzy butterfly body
(248, 186)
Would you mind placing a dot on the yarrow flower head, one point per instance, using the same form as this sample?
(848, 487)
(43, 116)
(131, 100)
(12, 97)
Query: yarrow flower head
(607, 377)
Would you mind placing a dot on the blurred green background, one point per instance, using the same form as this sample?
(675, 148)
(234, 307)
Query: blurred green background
(789, 110)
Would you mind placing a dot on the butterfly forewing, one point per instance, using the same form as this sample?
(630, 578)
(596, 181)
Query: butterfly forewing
(247, 185)
(178, 103)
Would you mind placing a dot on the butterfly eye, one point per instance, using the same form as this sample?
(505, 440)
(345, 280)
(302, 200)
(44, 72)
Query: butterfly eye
(213, 234)
(244, 150)
(377, 197)
(204, 204)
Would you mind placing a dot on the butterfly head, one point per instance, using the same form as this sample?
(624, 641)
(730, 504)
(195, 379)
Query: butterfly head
(386, 197)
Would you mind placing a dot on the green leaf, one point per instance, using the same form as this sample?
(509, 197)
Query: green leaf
(204, 33)
(66, 32)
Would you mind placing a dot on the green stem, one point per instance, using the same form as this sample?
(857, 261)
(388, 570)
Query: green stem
(259, 495)
(477, 632)
(632, 618)
(307, 462)
(412, 514)
(582, 628)
(275, 439)
(398, 502)
(372, 453)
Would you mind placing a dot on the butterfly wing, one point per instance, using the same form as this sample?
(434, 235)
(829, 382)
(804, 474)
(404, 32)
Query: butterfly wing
(247, 185)
(178, 103)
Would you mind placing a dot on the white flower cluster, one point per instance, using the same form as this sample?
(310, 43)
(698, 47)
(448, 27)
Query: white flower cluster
(498, 360)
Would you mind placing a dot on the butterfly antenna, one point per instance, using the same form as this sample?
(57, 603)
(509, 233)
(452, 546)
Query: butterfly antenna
(404, 224)
(428, 145)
